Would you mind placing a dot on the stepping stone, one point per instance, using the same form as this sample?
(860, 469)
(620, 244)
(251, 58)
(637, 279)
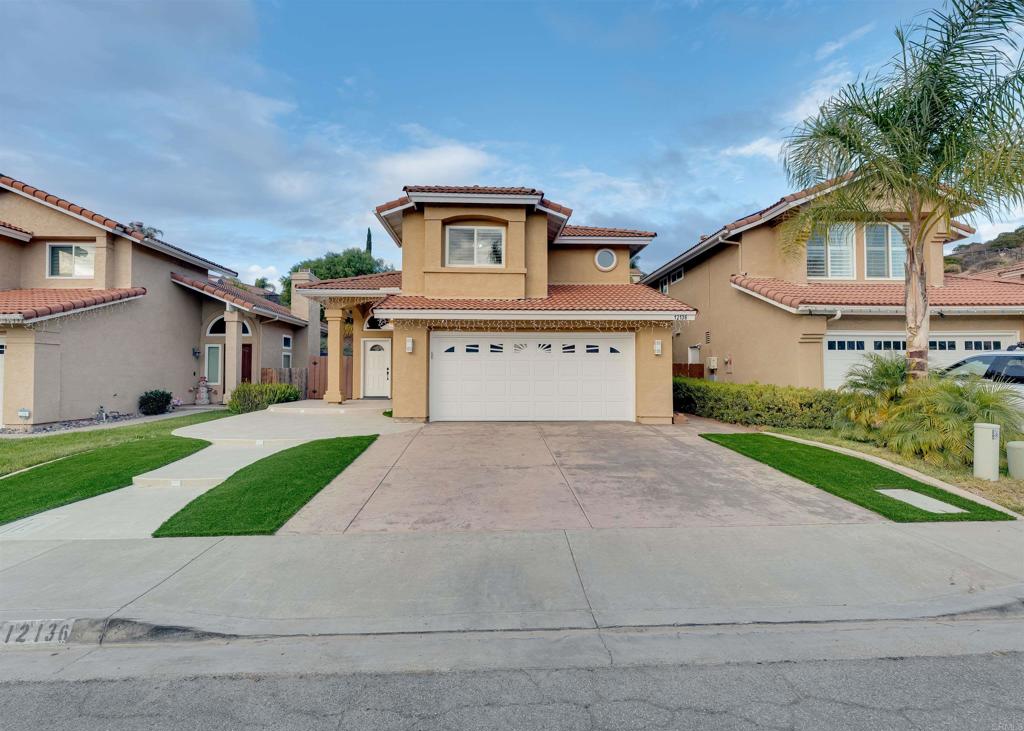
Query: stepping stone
(918, 500)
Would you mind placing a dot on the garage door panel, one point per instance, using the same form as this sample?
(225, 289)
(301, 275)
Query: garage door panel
(549, 376)
(842, 350)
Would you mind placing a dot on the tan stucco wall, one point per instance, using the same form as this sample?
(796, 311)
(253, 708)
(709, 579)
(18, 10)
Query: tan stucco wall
(423, 266)
(410, 373)
(10, 263)
(937, 324)
(762, 342)
(653, 376)
(575, 265)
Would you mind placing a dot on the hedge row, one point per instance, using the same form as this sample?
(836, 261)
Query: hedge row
(757, 404)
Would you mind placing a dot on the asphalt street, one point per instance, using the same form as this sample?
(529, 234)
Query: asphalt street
(978, 692)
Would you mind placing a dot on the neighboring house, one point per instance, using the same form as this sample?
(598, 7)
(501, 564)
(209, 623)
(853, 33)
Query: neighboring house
(503, 311)
(805, 320)
(92, 313)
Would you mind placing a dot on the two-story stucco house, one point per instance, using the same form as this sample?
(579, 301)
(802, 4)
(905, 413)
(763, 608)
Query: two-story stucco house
(805, 320)
(502, 312)
(93, 313)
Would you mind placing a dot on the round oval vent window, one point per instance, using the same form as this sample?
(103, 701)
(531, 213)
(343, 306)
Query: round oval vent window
(605, 259)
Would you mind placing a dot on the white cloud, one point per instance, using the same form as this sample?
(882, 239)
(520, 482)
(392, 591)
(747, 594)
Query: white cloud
(821, 88)
(827, 49)
(767, 147)
(255, 271)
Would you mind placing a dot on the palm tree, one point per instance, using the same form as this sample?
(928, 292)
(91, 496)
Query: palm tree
(938, 133)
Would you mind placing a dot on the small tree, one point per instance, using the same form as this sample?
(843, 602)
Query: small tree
(369, 241)
(938, 133)
(264, 283)
(332, 265)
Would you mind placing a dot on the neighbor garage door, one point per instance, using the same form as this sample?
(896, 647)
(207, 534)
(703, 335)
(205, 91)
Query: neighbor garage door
(534, 376)
(842, 350)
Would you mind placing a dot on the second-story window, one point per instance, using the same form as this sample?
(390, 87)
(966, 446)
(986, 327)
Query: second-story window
(885, 250)
(830, 253)
(71, 261)
(474, 246)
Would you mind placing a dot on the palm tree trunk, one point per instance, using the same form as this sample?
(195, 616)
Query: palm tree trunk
(916, 301)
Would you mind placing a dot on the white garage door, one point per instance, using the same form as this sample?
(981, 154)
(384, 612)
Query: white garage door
(531, 377)
(844, 349)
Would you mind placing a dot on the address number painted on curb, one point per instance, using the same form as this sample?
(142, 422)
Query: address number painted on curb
(35, 632)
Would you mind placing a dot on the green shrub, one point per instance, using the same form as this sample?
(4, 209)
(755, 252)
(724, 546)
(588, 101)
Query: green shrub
(757, 404)
(255, 396)
(872, 388)
(935, 418)
(154, 402)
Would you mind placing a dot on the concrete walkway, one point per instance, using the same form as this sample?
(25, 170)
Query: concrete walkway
(237, 441)
(541, 580)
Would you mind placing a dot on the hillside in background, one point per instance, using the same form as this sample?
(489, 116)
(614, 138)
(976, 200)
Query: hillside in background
(1005, 249)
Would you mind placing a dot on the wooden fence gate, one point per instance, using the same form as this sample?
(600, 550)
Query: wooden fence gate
(312, 381)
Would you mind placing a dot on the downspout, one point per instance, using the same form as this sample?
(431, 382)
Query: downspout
(836, 317)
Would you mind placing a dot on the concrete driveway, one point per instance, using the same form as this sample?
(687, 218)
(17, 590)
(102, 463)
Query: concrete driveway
(542, 476)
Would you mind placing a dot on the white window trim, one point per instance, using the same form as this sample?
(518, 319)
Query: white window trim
(888, 250)
(474, 229)
(615, 259)
(828, 258)
(72, 244)
(287, 341)
(220, 364)
(246, 330)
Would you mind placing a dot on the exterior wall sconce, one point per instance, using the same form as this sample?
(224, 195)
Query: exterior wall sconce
(408, 345)
(657, 347)
(196, 353)
(24, 413)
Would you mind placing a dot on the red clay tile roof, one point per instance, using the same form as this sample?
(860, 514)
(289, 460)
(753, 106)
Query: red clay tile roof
(396, 203)
(97, 218)
(561, 297)
(25, 305)
(11, 226)
(248, 301)
(384, 280)
(570, 231)
(557, 207)
(958, 291)
(69, 206)
(473, 189)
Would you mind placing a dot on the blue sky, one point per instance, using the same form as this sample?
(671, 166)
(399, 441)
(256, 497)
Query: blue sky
(262, 133)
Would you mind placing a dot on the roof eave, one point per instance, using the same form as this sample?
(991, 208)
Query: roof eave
(19, 318)
(247, 307)
(317, 293)
(14, 233)
(612, 315)
(635, 243)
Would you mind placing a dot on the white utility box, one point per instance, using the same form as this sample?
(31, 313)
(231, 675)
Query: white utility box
(986, 451)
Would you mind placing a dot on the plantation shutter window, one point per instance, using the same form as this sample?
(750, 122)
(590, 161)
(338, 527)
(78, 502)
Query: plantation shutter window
(831, 255)
(885, 250)
(468, 246)
(840, 251)
(816, 256)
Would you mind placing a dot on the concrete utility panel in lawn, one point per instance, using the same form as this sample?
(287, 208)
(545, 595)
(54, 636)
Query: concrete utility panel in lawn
(986, 451)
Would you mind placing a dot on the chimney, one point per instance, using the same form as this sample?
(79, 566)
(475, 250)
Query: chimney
(307, 309)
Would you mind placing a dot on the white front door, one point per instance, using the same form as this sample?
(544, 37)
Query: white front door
(376, 368)
(532, 376)
(3, 350)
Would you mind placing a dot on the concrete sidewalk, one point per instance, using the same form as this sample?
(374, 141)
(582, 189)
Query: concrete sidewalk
(236, 442)
(547, 580)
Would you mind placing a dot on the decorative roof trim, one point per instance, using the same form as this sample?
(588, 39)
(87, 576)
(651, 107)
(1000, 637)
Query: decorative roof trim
(635, 243)
(20, 319)
(431, 314)
(316, 293)
(15, 233)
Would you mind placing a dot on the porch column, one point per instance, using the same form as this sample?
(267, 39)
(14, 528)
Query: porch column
(335, 350)
(232, 350)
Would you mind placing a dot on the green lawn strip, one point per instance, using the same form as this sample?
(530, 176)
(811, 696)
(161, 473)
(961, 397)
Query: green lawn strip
(20, 453)
(852, 479)
(260, 498)
(87, 475)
